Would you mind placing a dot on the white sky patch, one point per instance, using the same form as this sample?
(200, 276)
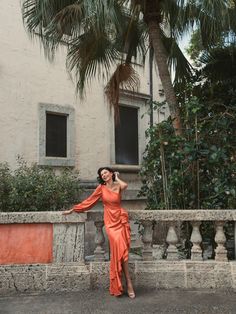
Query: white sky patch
(184, 43)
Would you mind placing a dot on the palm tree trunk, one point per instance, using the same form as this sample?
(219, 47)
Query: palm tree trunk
(161, 60)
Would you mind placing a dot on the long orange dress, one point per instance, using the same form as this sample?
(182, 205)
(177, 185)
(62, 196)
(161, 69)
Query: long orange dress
(117, 228)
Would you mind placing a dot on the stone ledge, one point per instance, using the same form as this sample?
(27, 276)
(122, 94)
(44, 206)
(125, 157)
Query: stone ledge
(158, 215)
(41, 217)
(183, 274)
(44, 278)
(184, 215)
(174, 215)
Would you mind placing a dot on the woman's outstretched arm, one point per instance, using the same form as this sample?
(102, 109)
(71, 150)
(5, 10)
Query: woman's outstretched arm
(87, 203)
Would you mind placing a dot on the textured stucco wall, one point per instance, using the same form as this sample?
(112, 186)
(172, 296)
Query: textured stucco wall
(27, 79)
(26, 243)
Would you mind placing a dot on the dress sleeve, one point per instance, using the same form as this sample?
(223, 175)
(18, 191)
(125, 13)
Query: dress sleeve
(90, 201)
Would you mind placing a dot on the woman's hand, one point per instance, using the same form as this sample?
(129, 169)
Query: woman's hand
(116, 173)
(123, 185)
(67, 212)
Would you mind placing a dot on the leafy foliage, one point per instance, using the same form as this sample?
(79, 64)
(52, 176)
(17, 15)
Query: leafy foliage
(197, 169)
(33, 188)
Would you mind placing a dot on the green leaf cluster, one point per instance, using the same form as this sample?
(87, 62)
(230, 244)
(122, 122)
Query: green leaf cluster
(34, 188)
(196, 169)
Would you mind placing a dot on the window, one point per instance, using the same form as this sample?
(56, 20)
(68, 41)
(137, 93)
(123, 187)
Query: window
(126, 137)
(56, 135)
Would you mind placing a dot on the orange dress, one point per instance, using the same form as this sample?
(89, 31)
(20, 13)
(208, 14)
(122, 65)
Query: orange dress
(117, 229)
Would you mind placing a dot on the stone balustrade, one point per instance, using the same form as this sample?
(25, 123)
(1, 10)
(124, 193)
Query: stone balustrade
(44, 251)
(195, 217)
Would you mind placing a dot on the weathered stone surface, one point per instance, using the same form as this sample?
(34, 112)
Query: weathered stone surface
(41, 217)
(172, 240)
(220, 239)
(39, 278)
(68, 242)
(174, 215)
(223, 276)
(209, 274)
(99, 275)
(160, 274)
(183, 215)
(233, 273)
(67, 277)
(28, 278)
(200, 276)
(184, 274)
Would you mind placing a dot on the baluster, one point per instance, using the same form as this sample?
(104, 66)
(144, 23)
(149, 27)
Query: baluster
(132, 239)
(220, 239)
(196, 239)
(99, 253)
(147, 240)
(172, 240)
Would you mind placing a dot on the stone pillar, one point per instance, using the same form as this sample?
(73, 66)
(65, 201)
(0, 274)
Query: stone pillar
(68, 242)
(220, 239)
(172, 240)
(99, 253)
(196, 239)
(147, 240)
(133, 239)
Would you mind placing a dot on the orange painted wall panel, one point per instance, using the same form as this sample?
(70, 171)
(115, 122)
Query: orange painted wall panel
(26, 243)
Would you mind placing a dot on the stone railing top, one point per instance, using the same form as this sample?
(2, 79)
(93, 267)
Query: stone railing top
(175, 215)
(97, 215)
(41, 217)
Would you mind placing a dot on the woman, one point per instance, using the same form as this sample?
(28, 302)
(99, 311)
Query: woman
(116, 224)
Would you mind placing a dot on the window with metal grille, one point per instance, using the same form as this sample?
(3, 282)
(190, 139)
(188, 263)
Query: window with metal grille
(56, 135)
(126, 137)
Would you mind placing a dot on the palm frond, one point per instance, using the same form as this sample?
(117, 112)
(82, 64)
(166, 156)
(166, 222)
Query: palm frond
(219, 64)
(90, 54)
(124, 77)
(40, 18)
(66, 22)
(178, 64)
(132, 40)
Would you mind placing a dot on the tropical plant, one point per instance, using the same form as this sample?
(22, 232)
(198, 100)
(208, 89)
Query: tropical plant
(101, 32)
(196, 169)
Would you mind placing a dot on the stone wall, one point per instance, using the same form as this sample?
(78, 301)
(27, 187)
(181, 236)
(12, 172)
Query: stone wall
(68, 271)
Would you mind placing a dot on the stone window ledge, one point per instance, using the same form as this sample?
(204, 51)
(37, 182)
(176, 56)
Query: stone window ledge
(126, 168)
(57, 161)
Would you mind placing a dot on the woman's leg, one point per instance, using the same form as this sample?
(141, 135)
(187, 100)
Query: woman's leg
(130, 288)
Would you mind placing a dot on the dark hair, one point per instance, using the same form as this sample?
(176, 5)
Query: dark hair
(99, 178)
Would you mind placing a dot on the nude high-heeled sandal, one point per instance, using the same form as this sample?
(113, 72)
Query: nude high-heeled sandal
(131, 295)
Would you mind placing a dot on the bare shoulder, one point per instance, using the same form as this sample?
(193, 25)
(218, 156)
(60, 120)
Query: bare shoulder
(122, 185)
(117, 187)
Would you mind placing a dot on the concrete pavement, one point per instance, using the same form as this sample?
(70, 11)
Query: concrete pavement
(100, 302)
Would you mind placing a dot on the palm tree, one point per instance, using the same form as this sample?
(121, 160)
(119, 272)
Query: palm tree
(101, 32)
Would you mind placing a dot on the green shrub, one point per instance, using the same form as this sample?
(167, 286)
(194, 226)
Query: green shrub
(35, 188)
(196, 169)
(5, 186)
